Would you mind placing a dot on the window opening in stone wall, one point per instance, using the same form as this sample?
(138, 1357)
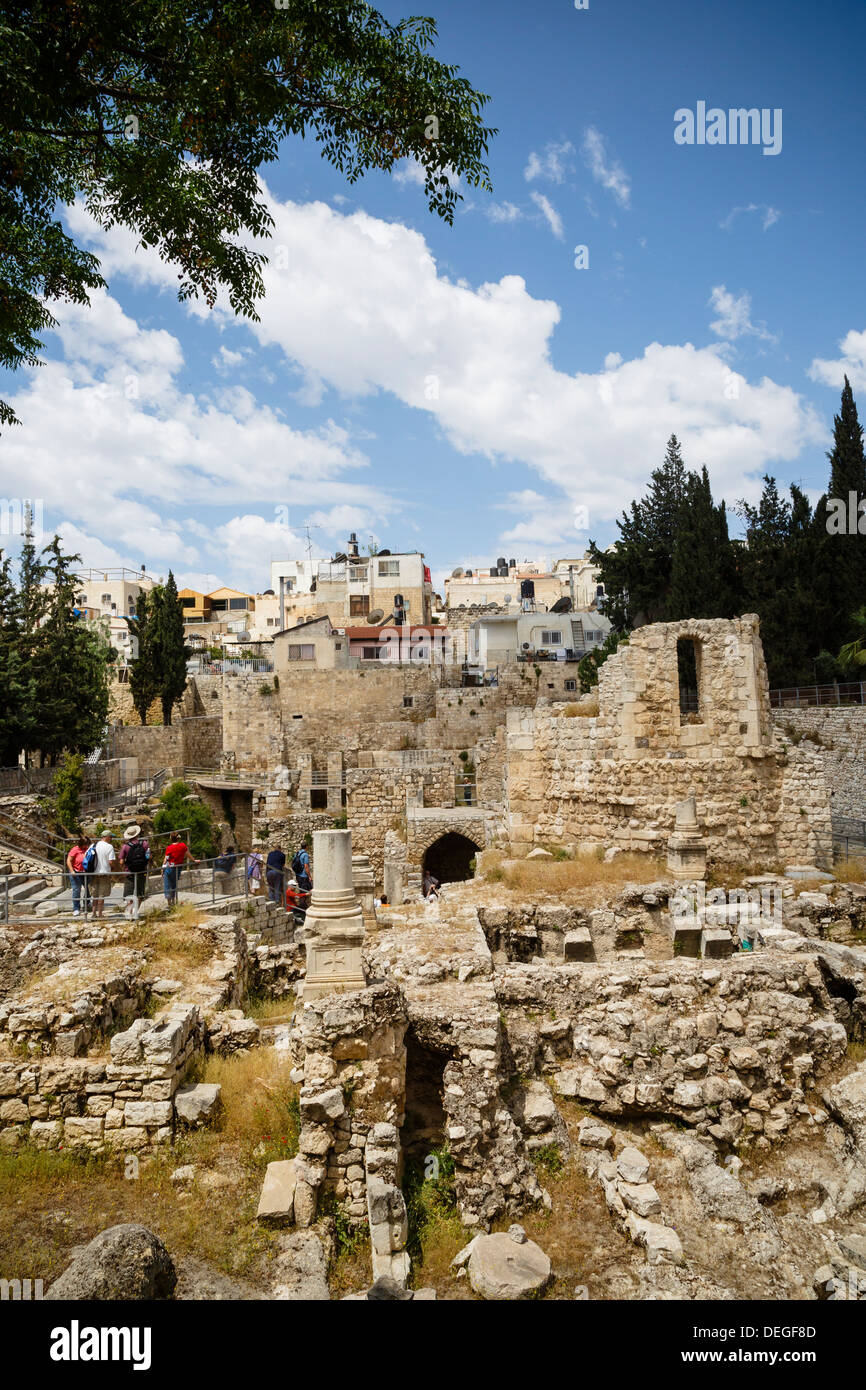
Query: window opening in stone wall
(689, 680)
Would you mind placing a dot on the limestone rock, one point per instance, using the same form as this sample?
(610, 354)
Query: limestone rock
(631, 1165)
(277, 1201)
(502, 1268)
(122, 1262)
(198, 1103)
(300, 1269)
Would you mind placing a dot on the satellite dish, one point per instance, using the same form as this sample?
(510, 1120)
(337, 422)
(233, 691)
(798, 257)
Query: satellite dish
(562, 605)
(525, 646)
(507, 598)
(377, 616)
(457, 574)
(242, 636)
(341, 557)
(383, 552)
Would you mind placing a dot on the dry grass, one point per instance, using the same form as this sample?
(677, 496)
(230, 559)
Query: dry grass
(50, 1202)
(850, 870)
(586, 708)
(172, 941)
(583, 871)
(259, 1103)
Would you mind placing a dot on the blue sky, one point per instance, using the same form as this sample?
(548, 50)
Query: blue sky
(466, 390)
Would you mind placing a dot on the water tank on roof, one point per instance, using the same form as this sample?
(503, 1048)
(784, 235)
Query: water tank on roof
(512, 564)
(398, 601)
(383, 552)
(503, 571)
(468, 574)
(494, 572)
(500, 562)
(457, 574)
(527, 588)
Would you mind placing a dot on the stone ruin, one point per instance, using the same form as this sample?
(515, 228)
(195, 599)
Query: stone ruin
(703, 1025)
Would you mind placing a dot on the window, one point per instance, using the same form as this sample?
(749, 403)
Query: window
(302, 651)
(359, 605)
(689, 680)
(187, 603)
(408, 701)
(571, 685)
(388, 567)
(106, 598)
(218, 605)
(370, 654)
(237, 603)
(551, 637)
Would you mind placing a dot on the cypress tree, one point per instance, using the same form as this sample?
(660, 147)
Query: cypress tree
(703, 574)
(170, 651)
(847, 477)
(143, 681)
(74, 667)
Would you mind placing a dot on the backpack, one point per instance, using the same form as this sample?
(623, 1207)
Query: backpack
(88, 863)
(299, 867)
(136, 857)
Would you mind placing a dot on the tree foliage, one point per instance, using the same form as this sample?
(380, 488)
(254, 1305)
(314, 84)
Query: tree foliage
(159, 670)
(675, 559)
(178, 813)
(160, 115)
(54, 667)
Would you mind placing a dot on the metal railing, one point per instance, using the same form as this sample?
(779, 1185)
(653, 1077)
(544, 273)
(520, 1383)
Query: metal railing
(799, 696)
(197, 881)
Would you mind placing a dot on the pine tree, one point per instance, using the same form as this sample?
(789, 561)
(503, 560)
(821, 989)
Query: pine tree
(779, 565)
(16, 679)
(170, 653)
(73, 675)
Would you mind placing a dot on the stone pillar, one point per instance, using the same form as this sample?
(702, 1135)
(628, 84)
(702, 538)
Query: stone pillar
(687, 848)
(334, 927)
(335, 782)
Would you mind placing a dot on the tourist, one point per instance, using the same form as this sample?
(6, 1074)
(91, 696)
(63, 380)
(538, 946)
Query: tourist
(176, 853)
(104, 864)
(297, 901)
(431, 886)
(254, 872)
(77, 876)
(134, 857)
(302, 870)
(223, 871)
(381, 902)
(275, 874)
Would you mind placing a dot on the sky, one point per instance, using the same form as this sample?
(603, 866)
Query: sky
(487, 389)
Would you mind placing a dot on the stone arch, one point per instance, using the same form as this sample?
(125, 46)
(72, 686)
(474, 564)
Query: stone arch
(449, 856)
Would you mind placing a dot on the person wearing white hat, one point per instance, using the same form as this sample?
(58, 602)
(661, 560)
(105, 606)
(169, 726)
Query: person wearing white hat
(134, 857)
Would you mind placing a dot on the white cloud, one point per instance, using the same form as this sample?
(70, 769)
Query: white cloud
(411, 171)
(735, 316)
(852, 363)
(226, 359)
(553, 164)
(548, 211)
(362, 307)
(606, 171)
(502, 212)
(769, 215)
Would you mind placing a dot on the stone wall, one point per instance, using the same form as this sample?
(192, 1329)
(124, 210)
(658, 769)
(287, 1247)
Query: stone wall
(376, 802)
(840, 734)
(733, 1048)
(123, 1103)
(614, 779)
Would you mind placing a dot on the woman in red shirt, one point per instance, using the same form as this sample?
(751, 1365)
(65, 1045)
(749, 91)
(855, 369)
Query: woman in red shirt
(176, 852)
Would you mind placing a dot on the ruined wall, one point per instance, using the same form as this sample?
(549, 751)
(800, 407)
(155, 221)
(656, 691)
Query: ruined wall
(376, 802)
(615, 778)
(733, 1049)
(840, 732)
(187, 742)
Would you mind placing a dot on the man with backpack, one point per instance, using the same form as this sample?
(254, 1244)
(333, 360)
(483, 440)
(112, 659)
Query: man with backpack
(99, 861)
(275, 872)
(302, 871)
(134, 857)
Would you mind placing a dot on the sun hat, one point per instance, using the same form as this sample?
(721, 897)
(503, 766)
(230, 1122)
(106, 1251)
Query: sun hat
(132, 832)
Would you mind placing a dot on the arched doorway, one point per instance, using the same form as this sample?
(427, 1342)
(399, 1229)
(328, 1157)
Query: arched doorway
(450, 857)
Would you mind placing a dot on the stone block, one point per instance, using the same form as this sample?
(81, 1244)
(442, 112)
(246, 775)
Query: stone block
(148, 1112)
(277, 1201)
(716, 943)
(577, 945)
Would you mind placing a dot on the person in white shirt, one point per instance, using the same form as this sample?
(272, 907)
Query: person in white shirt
(105, 863)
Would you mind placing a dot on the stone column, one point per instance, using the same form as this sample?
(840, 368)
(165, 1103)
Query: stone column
(687, 848)
(334, 928)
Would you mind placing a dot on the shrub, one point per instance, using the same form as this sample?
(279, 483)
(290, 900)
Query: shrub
(175, 813)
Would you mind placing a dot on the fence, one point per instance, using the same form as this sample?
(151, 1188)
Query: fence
(198, 881)
(799, 696)
(34, 841)
(228, 666)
